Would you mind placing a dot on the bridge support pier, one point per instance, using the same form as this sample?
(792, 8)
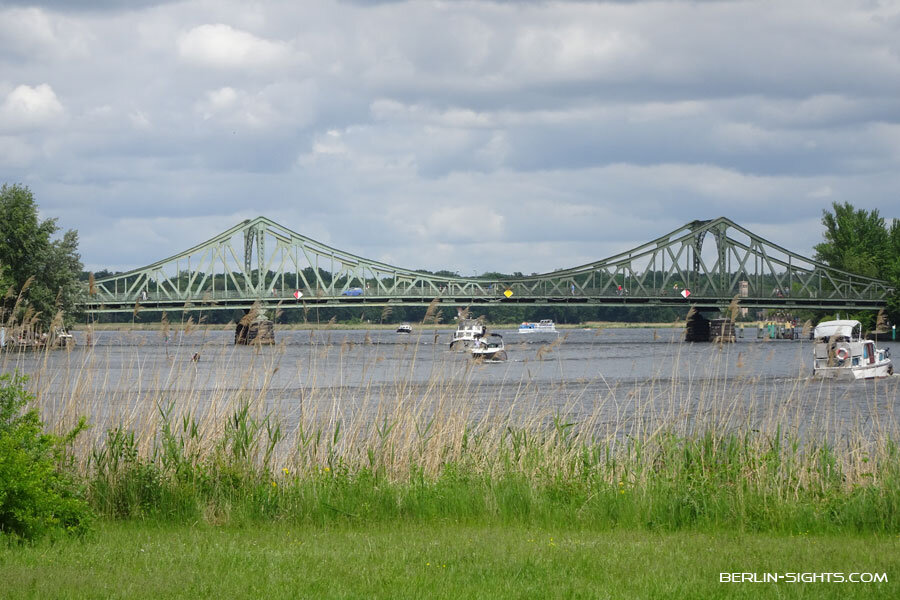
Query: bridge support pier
(696, 328)
(700, 329)
(722, 330)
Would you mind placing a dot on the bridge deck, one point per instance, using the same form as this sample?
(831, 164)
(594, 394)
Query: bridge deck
(288, 302)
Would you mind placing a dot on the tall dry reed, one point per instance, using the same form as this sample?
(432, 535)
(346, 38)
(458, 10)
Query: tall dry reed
(699, 445)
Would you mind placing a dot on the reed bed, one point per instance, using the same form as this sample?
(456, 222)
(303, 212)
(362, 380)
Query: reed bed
(249, 434)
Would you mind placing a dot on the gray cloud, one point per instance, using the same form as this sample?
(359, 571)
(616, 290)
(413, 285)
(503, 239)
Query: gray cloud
(82, 6)
(463, 135)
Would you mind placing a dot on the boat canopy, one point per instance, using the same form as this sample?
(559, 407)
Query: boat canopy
(843, 328)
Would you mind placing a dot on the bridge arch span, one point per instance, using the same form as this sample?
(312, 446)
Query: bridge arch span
(260, 261)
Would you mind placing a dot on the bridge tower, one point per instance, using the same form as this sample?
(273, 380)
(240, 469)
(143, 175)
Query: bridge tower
(719, 231)
(698, 328)
(255, 236)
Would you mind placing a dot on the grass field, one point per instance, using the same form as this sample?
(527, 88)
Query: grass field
(406, 559)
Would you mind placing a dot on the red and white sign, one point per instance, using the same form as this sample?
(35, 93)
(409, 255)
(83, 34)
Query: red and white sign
(298, 294)
(686, 293)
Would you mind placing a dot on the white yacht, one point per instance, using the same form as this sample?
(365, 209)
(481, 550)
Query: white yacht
(544, 326)
(489, 349)
(840, 352)
(467, 331)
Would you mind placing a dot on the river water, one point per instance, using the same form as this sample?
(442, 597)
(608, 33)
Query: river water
(616, 378)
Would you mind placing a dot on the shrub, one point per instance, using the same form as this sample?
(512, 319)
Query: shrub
(39, 493)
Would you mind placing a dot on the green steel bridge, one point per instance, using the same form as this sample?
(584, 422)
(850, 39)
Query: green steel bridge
(703, 263)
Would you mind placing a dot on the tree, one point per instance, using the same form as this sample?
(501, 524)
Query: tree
(39, 490)
(855, 240)
(859, 241)
(39, 275)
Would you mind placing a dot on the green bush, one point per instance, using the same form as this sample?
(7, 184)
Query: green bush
(39, 493)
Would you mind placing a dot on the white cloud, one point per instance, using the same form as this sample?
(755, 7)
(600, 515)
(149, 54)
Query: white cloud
(555, 50)
(330, 143)
(140, 120)
(822, 192)
(29, 107)
(282, 104)
(461, 224)
(222, 46)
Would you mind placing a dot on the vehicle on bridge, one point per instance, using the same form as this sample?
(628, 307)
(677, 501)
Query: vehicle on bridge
(354, 291)
(840, 352)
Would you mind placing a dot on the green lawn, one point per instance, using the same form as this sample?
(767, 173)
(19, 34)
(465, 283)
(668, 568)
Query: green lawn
(438, 560)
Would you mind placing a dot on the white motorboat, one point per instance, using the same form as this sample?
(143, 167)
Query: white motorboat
(490, 348)
(840, 352)
(467, 332)
(544, 326)
(404, 328)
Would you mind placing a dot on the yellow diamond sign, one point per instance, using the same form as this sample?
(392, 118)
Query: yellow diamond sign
(507, 293)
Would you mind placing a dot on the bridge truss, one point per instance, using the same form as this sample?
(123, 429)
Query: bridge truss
(261, 262)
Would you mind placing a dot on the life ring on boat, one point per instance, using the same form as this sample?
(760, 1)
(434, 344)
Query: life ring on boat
(841, 354)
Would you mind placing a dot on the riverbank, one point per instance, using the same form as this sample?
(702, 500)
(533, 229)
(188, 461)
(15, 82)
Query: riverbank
(439, 559)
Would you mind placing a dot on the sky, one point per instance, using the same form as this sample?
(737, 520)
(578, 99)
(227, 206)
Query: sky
(464, 135)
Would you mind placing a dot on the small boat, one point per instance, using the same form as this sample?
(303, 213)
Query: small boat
(490, 349)
(840, 352)
(467, 332)
(544, 326)
(404, 328)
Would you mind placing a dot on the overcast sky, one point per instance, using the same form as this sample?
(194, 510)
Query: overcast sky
(470, 135)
